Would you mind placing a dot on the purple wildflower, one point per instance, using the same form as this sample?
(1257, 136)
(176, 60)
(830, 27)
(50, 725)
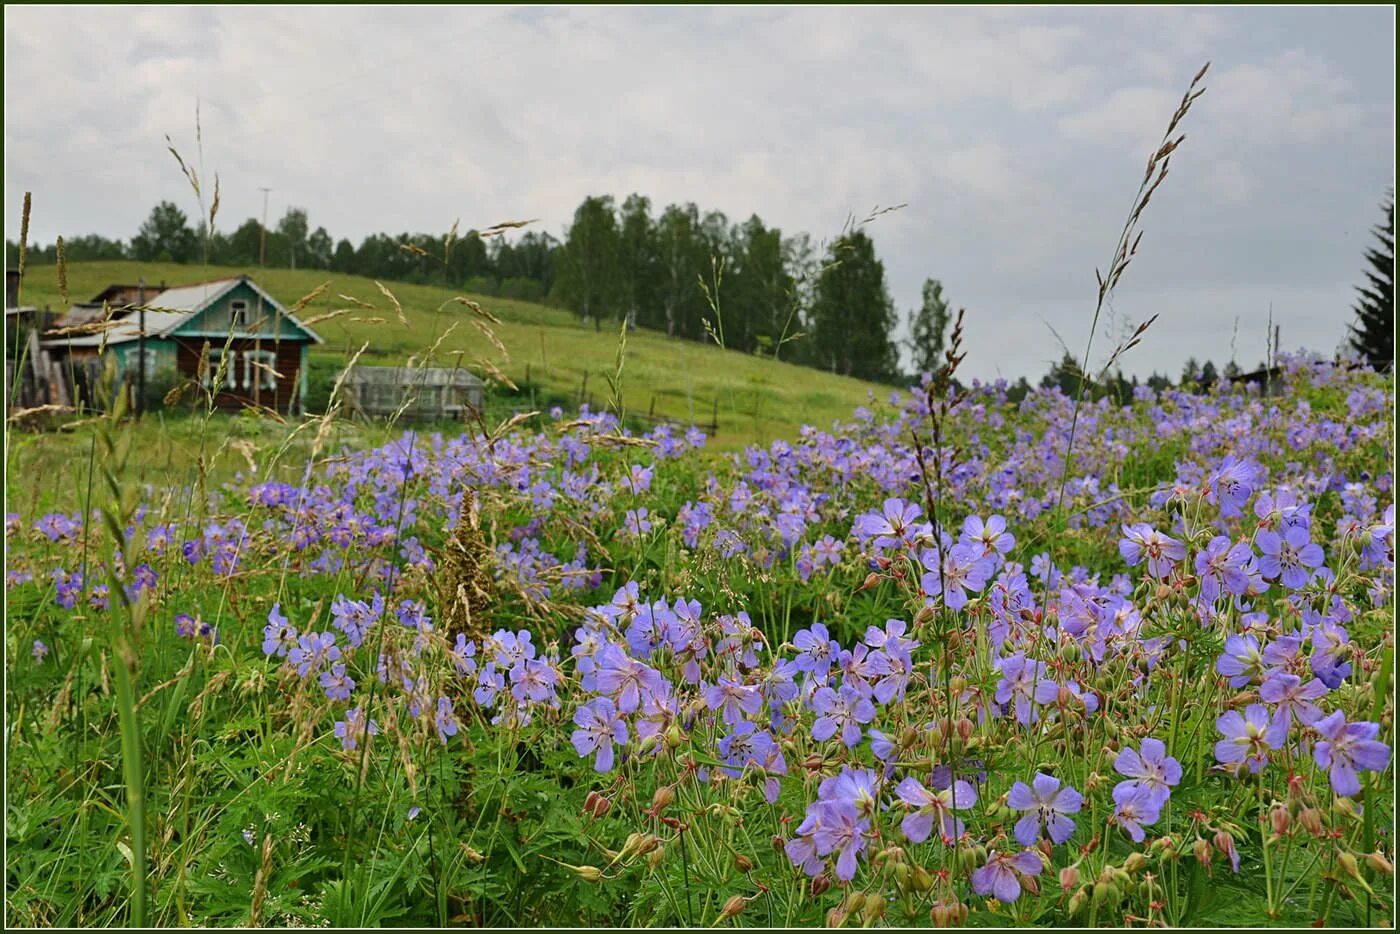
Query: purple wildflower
(998, 877)
(1152, 769)
(1047, 803)
(1346, 748)
(599, 726)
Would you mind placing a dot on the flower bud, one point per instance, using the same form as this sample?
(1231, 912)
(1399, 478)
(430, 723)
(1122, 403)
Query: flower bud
(595, 805)
(901, 874)
(909, 737)
(835, 917)
(1070, 652)
(1343, 807)
(1224, 843)
(820, 884)
(1348, 865)
(674, 736)
(855, 902)
(742, 863)
(1077, 902)
(655, 856)
(922, 879)
(779, 844)
(588, 873)
(647, 844)
(1135, 862)
(1311, 819)
(1105, 893)
(923, 617)
(1279, 819)
(732, 907)
(874, 909)
(957, 684)
(1069, 878)
(662, 798)
(1030, 884)
(1204, 854)
(1379, 863)
(946, 914)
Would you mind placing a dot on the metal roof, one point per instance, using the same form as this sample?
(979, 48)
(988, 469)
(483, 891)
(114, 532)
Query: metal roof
(128, 328)
(169, 310)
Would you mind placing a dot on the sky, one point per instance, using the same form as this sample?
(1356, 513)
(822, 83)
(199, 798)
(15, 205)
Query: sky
(1015, 138)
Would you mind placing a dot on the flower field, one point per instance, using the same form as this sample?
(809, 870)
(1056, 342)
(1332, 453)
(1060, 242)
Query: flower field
(951, 662)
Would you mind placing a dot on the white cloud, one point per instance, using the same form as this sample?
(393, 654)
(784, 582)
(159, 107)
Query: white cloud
(1131, 118)
(1011, 133)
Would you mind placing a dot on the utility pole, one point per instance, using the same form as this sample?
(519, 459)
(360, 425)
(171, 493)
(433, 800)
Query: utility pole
(262, 263)
(262, 245)
(141, 346)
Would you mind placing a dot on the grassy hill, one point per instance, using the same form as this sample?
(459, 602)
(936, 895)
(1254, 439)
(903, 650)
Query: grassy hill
(756, 399)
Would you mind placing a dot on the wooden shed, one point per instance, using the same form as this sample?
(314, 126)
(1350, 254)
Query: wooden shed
(257, 350)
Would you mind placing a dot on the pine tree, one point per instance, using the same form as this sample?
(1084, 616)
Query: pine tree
(852, 313)
(1373, 334)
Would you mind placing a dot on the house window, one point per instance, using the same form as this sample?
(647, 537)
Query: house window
(152, 359)
(238, 314)
(258, 369)
(210, 376)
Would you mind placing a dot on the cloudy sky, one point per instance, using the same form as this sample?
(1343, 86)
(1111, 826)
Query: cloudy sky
(1016, 137)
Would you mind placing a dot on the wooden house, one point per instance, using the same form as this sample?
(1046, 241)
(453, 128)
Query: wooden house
(257, 350)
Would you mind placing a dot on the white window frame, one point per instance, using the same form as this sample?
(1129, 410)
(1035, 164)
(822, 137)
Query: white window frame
(206, 379)
(238, 313)
(267, 380)
(152, 360)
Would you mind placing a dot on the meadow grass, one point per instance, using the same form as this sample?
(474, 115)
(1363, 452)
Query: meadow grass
(180, 752)
(757, 398)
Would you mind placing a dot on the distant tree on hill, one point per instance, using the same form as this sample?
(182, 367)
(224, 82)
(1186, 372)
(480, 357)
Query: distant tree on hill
(1065, 374)
(683, 259)
(293, 229)
(241, 246)
(319, 249)
(343, 259)
(638, 262)
(928, 327)
(1018, 391)
(589, 282)
(852, 314)
(761, 293)
(1373, 334)
(166, 236)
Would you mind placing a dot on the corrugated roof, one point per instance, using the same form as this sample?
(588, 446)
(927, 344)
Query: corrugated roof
(127, 329)
(172, 308)
(191, 298)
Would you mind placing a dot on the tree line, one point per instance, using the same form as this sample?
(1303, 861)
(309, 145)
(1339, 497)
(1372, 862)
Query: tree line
(693, 275)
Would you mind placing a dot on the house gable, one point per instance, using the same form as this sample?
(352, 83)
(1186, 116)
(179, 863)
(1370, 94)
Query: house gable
(261, 315)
